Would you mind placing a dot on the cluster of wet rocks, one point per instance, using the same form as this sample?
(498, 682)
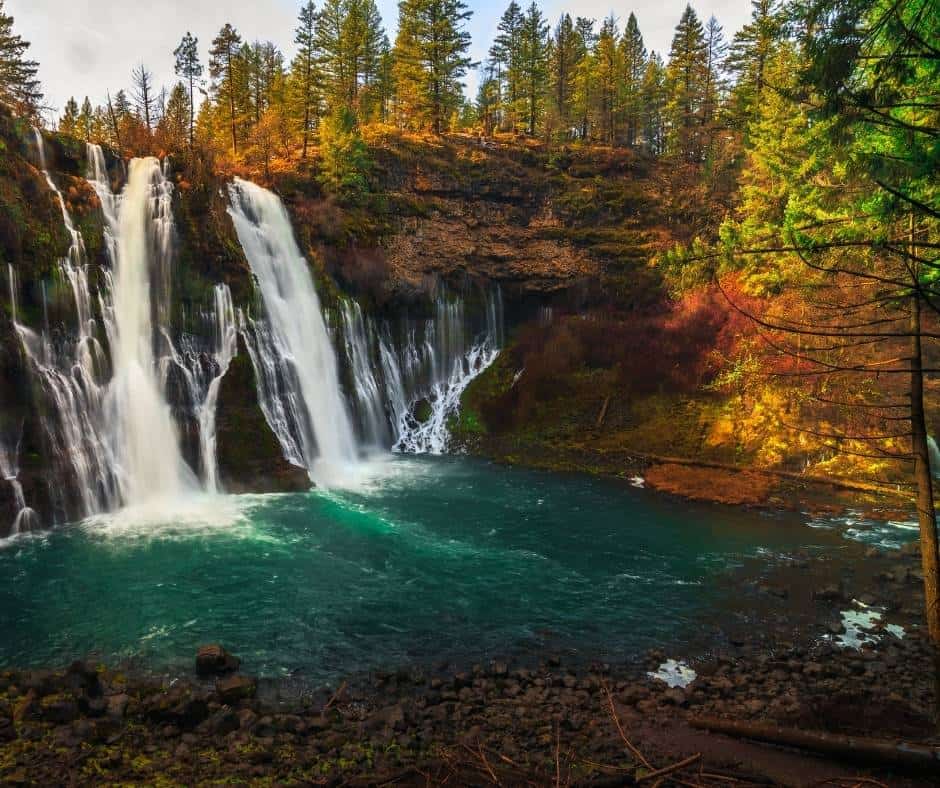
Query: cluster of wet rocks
(89, 724)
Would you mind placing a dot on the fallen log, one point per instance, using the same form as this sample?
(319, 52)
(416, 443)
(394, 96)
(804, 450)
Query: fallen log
(856, 749)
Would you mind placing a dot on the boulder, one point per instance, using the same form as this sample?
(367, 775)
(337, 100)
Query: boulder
(58, 709)
(213, 660)
(81, 678)
(223, 722)
(179, 706)
(232, 689)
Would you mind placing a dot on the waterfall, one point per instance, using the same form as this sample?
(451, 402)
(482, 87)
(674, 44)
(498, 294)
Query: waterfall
(111, 431)
(934, 453)
(202, 371)
(68, 374)
(299, 365)
(360, 340)
(142, 432)
(25, 519)
(454, 362)
(423, 367)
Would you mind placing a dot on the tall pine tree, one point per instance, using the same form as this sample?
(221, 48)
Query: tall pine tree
(223, 66)
(189, 69)
(567, 53)
(431, 59)
(533, 53)
(633, 56)
(306, 76)
(19, 86)
(686, 77)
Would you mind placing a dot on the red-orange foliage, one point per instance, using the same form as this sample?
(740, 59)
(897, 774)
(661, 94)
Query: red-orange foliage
(673, 347)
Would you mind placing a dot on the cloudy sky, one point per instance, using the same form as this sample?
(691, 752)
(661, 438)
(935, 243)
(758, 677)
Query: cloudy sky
(88, 47)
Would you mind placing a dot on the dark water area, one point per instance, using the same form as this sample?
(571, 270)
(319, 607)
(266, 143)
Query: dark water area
(430, 560)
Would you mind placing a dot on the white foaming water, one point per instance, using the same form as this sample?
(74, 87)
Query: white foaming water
(304, 364)
(408, 386)
(360, 340)
(674, 673)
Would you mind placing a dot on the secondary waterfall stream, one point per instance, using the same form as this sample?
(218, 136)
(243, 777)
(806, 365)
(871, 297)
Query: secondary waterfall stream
(297, 344)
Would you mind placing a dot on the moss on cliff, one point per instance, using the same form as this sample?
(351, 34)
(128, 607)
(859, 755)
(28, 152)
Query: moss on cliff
(250, 457)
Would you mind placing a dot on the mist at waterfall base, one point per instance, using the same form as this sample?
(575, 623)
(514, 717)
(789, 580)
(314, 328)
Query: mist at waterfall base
(443, 558)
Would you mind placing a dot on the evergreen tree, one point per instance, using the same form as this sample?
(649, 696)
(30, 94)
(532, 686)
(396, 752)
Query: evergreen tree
(654, 104)
(369, 45)
(189, 69)
(633, 57)
(606, 73)
(716, 50)
(350, 41)
(332, 43)
(505, 53)
(368, 40)
(750, 51)
(101, 128)
(345, 162)
(68, 123)
(86, 120)
(384, 80)
(174, 131)
(533, 55)
(223, 67)
(585, 29)
(430, 59)
(487, 103)
(567, 53)
(583, 87)
(686, 77)
(873, 67)
(305, 75)
(263, 66)
(19, 86)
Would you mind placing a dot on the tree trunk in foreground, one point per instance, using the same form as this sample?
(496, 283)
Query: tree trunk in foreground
(926, 515)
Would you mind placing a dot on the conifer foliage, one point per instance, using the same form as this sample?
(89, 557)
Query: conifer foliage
(19, 83)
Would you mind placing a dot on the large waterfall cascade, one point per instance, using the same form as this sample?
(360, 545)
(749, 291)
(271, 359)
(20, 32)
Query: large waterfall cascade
(142, 432)
(329, 398)
(109, 426)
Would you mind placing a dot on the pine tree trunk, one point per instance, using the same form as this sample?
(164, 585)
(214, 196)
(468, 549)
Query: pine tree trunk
(926, 515)
(192, 114)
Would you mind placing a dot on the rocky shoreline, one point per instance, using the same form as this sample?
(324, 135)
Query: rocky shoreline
(555, 721)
